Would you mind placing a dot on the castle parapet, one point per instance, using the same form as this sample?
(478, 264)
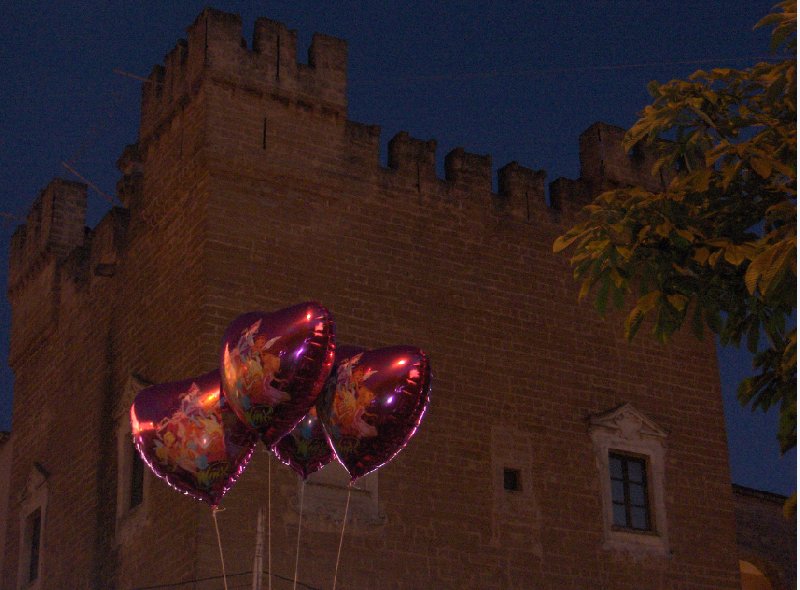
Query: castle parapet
(569, 195)
(215, 47)
(54, 226)
(521, 190)
(606, 165)
(129, 187)
(469, 172)
(53, 230)
(409, 155)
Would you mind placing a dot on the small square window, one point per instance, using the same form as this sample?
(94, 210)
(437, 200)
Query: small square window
(512, 480)
(629, 492)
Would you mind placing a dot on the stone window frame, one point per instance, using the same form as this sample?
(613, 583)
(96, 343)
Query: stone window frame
(33, 498)
(626, 430)
(129, 518)
(325, 497)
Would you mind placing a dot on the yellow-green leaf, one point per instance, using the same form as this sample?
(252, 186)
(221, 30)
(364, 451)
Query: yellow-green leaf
(762, 167)
(648, 302)
(701, 179)
(585, 286)
(701, 255)
(734, 255)
(664, 229)
(563, 242)
(678, 301)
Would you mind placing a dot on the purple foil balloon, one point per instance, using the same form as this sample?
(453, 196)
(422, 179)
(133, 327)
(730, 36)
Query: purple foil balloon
(274, 365)
(305, 449)
(374, 404)
(189, 436)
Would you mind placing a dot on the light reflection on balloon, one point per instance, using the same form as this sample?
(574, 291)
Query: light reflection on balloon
(373, 405)
(274, 366)
(189, 437)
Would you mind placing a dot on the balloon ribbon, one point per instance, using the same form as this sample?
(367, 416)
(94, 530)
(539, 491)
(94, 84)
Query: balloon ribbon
(214, 511)
(299, 526)
(341, 537)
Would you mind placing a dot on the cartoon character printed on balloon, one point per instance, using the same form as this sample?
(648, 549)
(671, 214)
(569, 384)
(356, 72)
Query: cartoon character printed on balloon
(193, 439)
(256, 368)
(351, 401)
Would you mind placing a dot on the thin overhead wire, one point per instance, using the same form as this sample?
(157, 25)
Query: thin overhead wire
(545, 71)
(96, 188)
(211, 578)
(134, 76)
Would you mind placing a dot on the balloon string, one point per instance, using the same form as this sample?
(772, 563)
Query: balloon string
(269, 522)
(341, 537)
(299, 526)
(214, 511)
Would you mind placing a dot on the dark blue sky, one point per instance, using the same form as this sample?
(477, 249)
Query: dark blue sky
(517, 80)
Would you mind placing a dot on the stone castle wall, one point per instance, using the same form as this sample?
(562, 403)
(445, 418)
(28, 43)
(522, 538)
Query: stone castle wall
(249, 189)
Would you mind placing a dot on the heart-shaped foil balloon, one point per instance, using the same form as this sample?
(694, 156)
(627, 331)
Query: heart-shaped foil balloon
(305, 449)
(189, 436)
(274, 365)
(373, 405)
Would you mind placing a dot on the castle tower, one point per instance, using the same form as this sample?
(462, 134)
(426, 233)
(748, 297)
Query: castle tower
(248, 188)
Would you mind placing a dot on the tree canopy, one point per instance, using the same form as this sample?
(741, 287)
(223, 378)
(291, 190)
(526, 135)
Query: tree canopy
(716, 246)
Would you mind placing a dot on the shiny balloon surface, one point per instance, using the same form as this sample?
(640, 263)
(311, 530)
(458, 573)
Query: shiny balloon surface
(305, 449)
(188, 436)
(373, 405)
(274, 365)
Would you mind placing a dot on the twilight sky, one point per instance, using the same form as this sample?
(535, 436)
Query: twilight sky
(516, 80)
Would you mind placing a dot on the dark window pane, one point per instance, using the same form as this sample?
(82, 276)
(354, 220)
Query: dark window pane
(617, 491)
(137, 479)
(616, 467)
(635, 470)
(639, 518)
(619, 515)
(629, 491)
(511, 480)
(637, 494)
(35, 531)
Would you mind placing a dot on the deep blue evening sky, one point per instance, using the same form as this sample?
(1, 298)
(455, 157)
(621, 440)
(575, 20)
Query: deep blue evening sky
(517, 80)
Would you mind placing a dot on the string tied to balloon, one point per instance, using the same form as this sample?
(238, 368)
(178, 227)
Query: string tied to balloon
(269, 523)
(299, 528)
(214, 511)
(341, 536)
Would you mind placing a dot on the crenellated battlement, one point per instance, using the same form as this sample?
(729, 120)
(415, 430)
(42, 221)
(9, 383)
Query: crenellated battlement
(53, 228)
(606, 165)
(215, 47)
(54, 248)
(472, 172)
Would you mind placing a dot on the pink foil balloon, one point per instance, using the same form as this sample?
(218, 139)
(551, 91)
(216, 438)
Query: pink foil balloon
(190, 438)
(305, 449)
(274, 365)
(374, 405)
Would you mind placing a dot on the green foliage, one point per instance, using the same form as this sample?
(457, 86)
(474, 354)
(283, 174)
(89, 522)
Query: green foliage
(717, 245)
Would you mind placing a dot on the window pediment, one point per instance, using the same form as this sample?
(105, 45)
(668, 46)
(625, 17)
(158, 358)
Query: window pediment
(37, 477)
(627, 423)
(133, 385)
